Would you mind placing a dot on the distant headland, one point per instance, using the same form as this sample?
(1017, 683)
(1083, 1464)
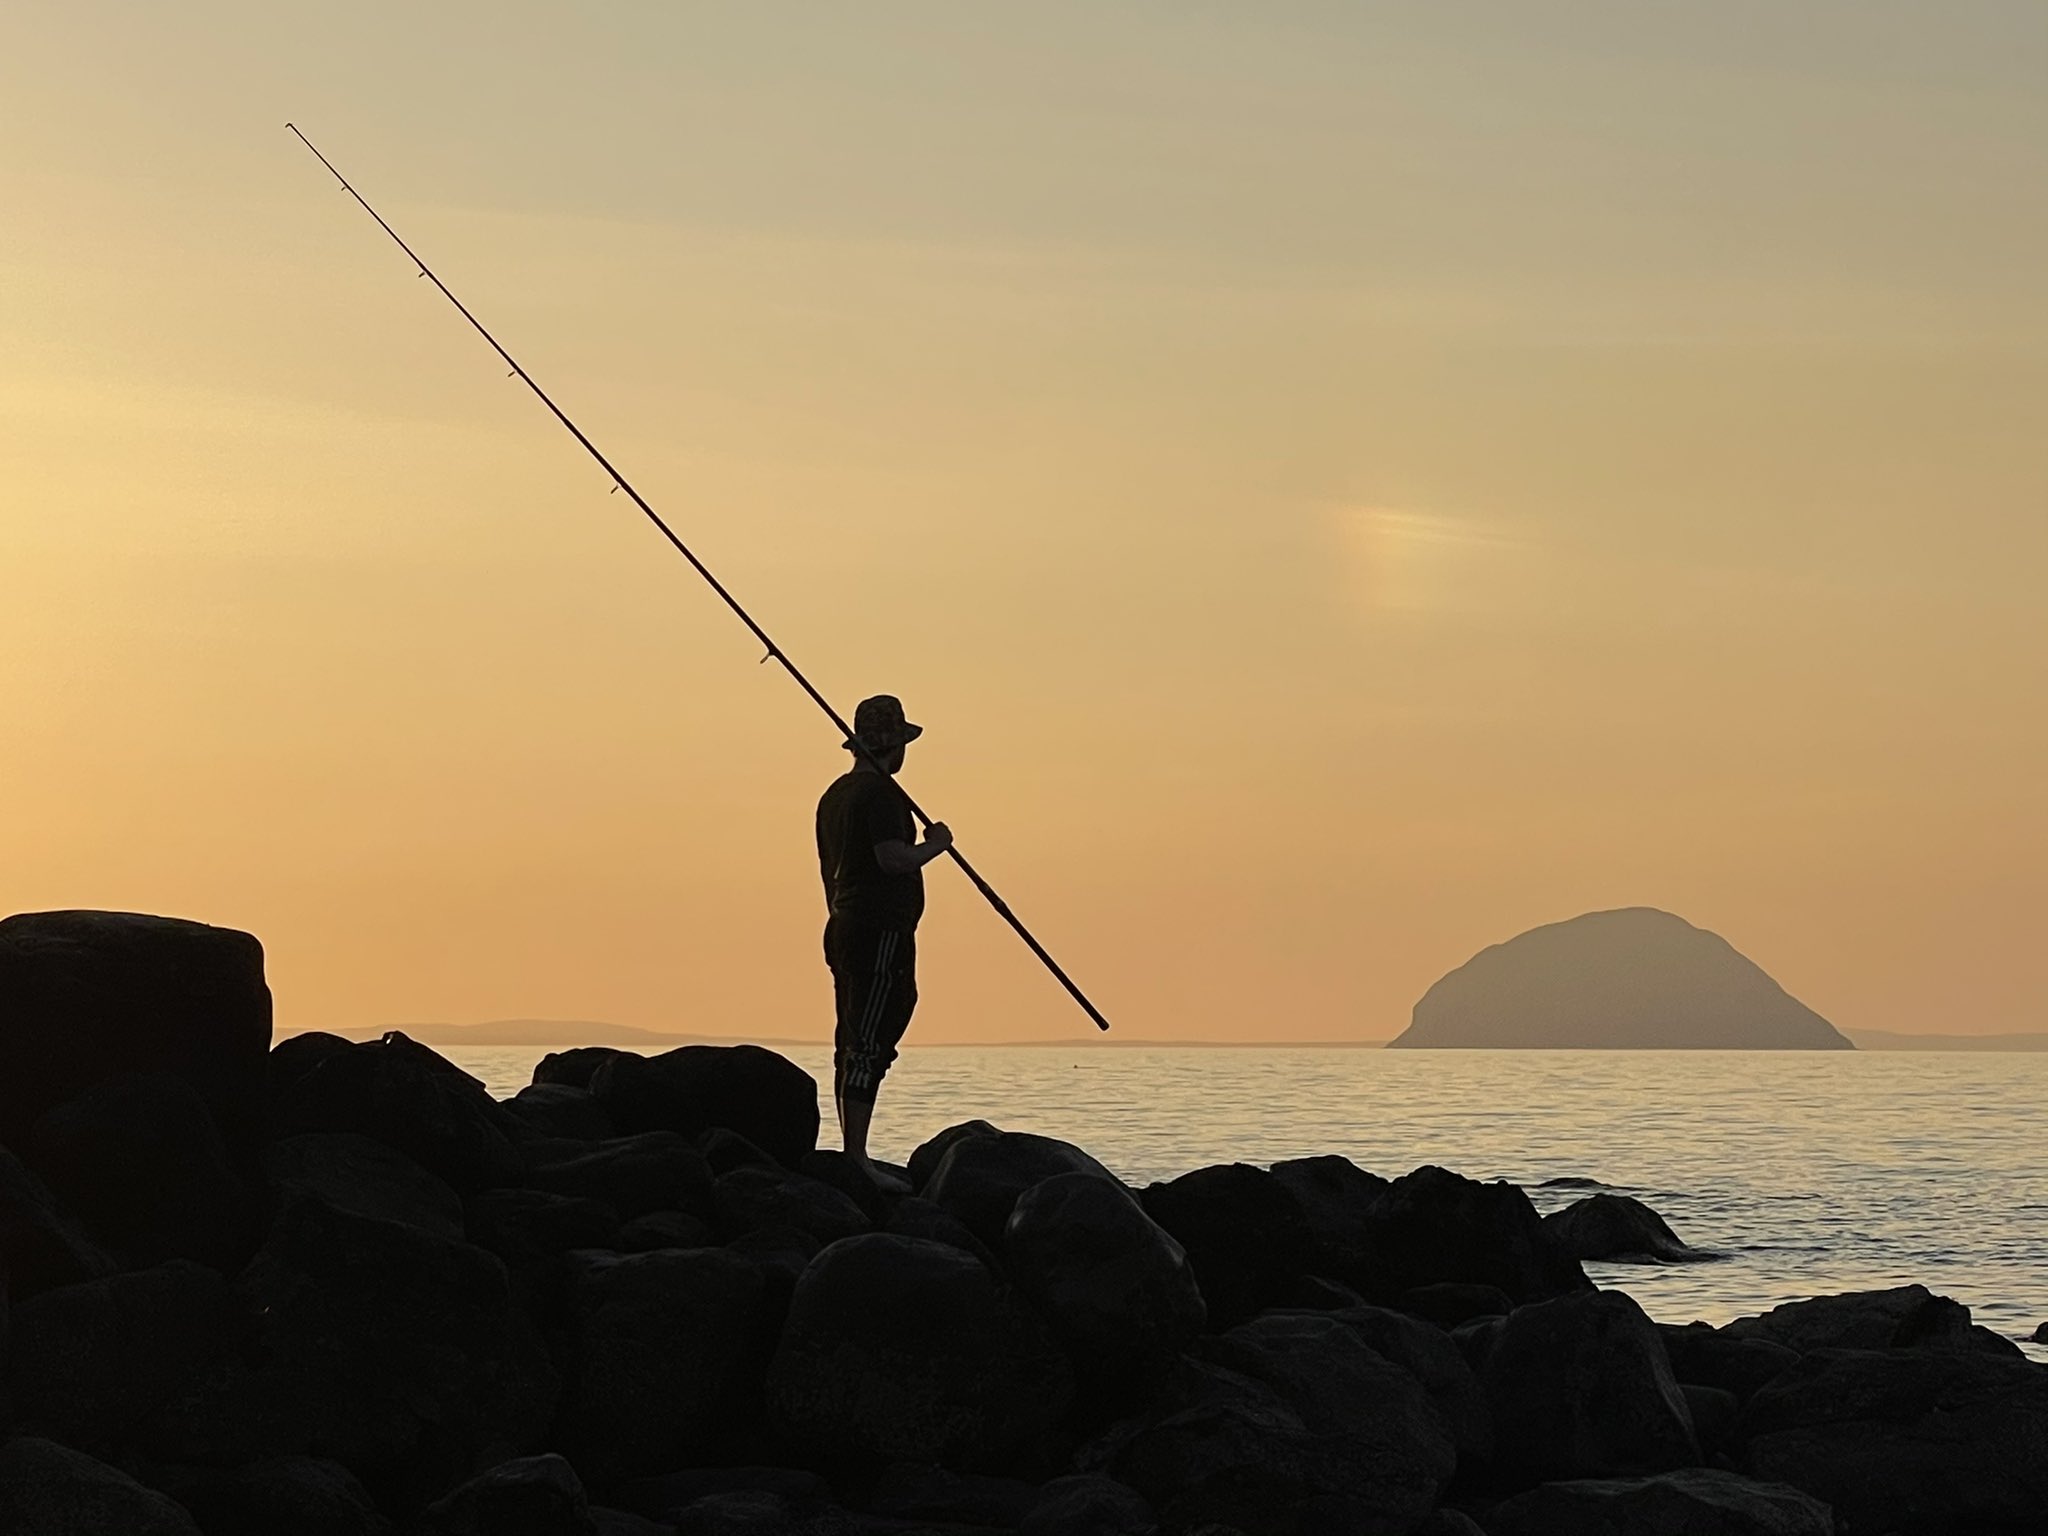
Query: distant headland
(1632, 979)
(558, 1034)
(553, 1033)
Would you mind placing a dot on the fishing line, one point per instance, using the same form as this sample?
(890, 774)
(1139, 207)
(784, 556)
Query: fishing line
(774, 651)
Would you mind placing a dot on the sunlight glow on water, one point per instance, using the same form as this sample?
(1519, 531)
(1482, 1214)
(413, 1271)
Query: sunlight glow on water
(1811, 1171)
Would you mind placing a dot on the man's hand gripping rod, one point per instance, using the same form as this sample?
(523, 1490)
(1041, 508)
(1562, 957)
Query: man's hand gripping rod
(774, 652)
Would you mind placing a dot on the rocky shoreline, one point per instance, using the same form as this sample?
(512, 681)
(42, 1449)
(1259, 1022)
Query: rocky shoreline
(335, 1288)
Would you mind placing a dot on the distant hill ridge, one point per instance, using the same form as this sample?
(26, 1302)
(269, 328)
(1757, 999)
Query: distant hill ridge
(1632, 979)
(556, 1032)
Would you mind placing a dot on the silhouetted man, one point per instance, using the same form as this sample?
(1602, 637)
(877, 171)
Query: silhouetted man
(873, 867)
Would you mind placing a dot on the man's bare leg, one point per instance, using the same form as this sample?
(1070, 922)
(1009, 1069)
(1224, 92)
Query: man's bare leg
(854, 1118)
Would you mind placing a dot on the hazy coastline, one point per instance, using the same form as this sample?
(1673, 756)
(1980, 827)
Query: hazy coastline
(554, 1033)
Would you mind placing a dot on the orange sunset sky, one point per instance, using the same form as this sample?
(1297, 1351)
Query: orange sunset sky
(1340, 483)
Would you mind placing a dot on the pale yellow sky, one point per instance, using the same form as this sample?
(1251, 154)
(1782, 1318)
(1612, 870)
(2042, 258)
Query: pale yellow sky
(1341, 484)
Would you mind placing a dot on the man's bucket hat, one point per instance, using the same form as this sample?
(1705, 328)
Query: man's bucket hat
(879, 726)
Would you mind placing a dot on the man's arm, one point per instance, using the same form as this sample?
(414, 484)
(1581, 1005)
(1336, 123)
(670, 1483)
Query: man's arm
(899, 858)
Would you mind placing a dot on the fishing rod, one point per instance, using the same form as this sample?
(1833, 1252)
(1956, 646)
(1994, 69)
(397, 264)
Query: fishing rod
(774, 651)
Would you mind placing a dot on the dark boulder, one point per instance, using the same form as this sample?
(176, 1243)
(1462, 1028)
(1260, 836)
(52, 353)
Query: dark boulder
(395, 1352)
(1989, 1341)
(981, 1175)
(2041, 1334)
(1619, 1229)
(1314, 1293)
(1434, 1226)
(1338, 1514)
(1450, 1304)
(1087, 1504)
(1244, 1233)
(1920, 1442)
(653, 1171)
(924, 1162)
(1707, 1357)
(575, 1067)
(40, 1246)
(539, 1147)
(140, 1159)
(664, 1497)
(726, 1150)
(898, 1349)
(522, 1226)
(875, 1196)
(1315, 1419)
(541, 1151)
(781, 1254)
(750, 1513)
(47, 1489)
(1580, 1387)
(1399, 1444)
(296, 1055)
(1335, 1197)
(750, 1199)
(907, 1491)
(558, 1110)
(1691, 1502)
(664, 1347)
(361, 1175)
(283, 1496)
(89, 1363)
(532, 1496)
(767, 1098)
(664, 1229)
(1242, 1462)
(399, 1092)
(1905, 1317)
(1715, 1416)
(85, 996)
(1429, 1355)
(918, 1217)
(1116, 1290)
(620, 1522)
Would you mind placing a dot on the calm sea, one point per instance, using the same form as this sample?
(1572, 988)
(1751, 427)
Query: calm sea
(1806, 1172)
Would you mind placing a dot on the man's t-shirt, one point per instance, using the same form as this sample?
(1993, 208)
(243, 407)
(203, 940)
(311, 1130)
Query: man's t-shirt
(860, 810)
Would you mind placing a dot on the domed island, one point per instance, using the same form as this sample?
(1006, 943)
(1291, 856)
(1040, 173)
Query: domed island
(1632, 979)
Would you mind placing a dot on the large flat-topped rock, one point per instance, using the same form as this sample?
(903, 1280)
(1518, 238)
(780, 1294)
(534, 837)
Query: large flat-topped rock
(1632, 979)
(85, 996)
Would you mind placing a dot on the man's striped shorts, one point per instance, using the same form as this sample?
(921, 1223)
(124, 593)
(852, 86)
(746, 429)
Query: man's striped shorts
(874, 981)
